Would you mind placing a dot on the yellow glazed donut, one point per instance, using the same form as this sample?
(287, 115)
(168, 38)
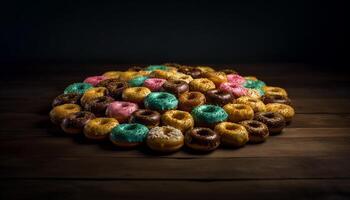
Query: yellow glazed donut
(256, 104)
(112, 74)
(201, 85)
(58, 113)
(99, 128)
(238, 112)
(285, 110)
(181, 77)
(270, 91)
(216, 77)
(232, 134)
(93, 93)
(127, 76)
(205, 69)
(135, 94)
(178, 119)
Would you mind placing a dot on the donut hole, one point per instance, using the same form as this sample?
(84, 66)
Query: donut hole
(274, 90)
(240, 107)
(179, 116)
(124, 105)
(231, 127)
(101, 99)
(209, 109)
(147, 113)
(138, 89)
(80, 115)
(254, 125)
(99, 90)
(119, 85)
(204, 132)
(81, 87)
(131, 127)
(192, 96)
(104, 121)
(167, 131)
(70, 107)
(269, 115)
(252, 100)
(162, 96)
(177, 82)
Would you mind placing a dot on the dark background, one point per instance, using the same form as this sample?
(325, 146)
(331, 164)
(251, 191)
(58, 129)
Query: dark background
(218, 32)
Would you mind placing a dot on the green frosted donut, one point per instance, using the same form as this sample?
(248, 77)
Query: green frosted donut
(79, 88)
(156, 67)
(161, 101)
(129, 133)
(137, 81)
(255, 84)
(209, 114)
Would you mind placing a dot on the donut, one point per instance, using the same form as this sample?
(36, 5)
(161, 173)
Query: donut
(257, 131)
(79, 88)
(201, 85)
(181, 120)
(98, 105)
(276, 99)
(156, 67)
(238, 112)
(275, 122)
(114, 86)
(193, 72)
(137, 81)
(161, 101)
(149, 118)
(99, 128)
(205, 69)
(202, 139)
(189, 100)
(94, 80)
(175, 87)
(216, 77)
(233, 89)
(269, 90)
(285, 110)
(135, 94)
(165, 139)
(161, 74)
(72, 98)
(128, 135)
(256, 104)
(236, 79)
(75, 122)
(228, 71)
(154, 84)
(181, 77)
(208, 115)
(254, 93)
(58, 113)
(232, 134)
(128, 75)
(218, 97)
(93, 93)
(121, 110)
(254, 84)
(112, 74)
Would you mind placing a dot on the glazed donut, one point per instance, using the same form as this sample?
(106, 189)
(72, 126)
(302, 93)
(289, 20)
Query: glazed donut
(98, 105)
(181, 77)
(208, 115)
(128, 75)
(112, 74)
(94, 80)
(216, 77)
(275, 122)
(72, 98)
(202, 139)
(128, 135)
(276, 99)
(154, 84)
(255, 104)
(233, 89)
(285, 110)
(218, 97)
(269, 91)
(181, 120)
(189, 100)
(238, 112)
(75, 122)
(115, 88)
(79, 88)
(135, 94)
(176, 87)
(232, 134)
(93, 93)
(201, 85)
(99, 128)
(235, 79)
(149, 118)
(121, 110)
(161, 101)
(258, 132)
(58, 113)
(165, 139)
(137, 81)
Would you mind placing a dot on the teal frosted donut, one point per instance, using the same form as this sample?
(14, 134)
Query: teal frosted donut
(137, 81)
(208, 115)
(156, 67)
(255, 84)
(128, 135)
(79, 88)
(161, 101)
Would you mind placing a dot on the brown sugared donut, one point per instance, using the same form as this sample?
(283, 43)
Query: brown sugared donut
(74, 123)
(58, 113)
(218, 97)
(189, 100)
(276, 99)
(176, 87)
(149, 118)
(258, 131)
(202, 85)
(99, 105)
(73, 98)
(202, 139)
(228, 71)
(216, 77)
(275, 122)
(194, 72)
(114, 87)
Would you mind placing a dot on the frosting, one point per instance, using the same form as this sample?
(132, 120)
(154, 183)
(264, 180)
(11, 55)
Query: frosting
(79, 88)
(94, 80)
(133, 132)
(154, 84)
(118, 109)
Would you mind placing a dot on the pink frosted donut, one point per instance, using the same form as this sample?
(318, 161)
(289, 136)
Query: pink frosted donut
(154, 84)
(233, 89)
(94, 80)
(235, 79)
(121, 110)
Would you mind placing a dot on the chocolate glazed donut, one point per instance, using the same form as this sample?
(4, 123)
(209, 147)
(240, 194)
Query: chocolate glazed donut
(219, 97)
(202, 139)
(114, 87)
(194, 72)
(73, 98)
(99, 105)
(276, 99)
(149, 118)
(74, 123)
(275, 122)
(176, 87)
(258, 131)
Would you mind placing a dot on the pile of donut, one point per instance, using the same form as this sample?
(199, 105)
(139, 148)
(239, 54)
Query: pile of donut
(171, 105)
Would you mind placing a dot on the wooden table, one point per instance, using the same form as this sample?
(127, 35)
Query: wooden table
(309, 160)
